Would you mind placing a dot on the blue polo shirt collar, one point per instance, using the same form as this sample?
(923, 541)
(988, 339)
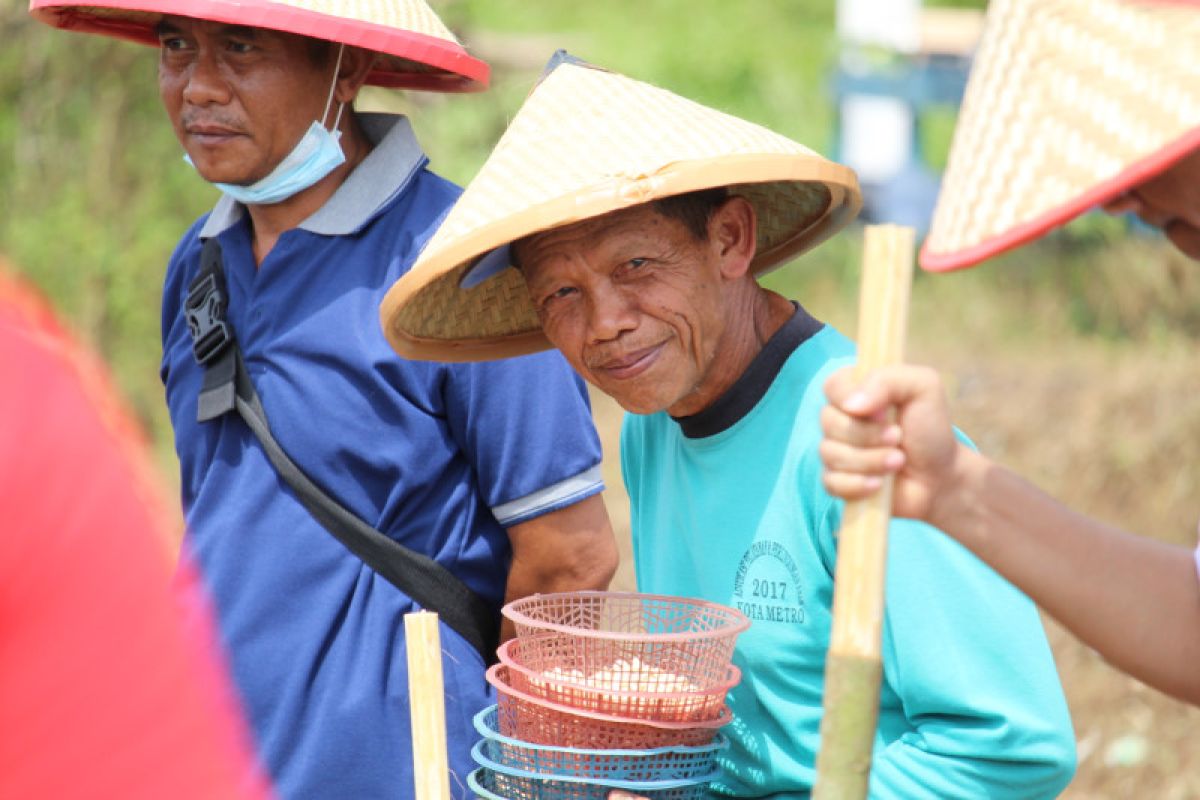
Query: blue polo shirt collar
(396, 154)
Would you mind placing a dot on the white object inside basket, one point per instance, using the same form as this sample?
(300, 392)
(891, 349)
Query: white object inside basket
(625, 675)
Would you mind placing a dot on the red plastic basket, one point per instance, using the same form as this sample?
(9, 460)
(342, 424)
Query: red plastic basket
(533, 719)
(603, 676)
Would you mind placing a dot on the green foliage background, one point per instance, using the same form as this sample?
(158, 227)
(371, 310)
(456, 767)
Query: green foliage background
(94, 192)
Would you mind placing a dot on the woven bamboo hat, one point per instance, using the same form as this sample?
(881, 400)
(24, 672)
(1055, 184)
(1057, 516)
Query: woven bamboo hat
(1070, 104)
(415, 49)
(587, 142)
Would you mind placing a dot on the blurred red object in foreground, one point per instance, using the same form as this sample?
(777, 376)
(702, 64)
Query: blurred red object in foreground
(111, 683)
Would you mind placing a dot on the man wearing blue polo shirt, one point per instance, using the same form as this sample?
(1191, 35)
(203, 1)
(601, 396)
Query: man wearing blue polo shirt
(492, 470)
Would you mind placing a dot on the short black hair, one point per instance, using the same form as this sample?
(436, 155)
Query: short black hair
(693, 209)
(320, 51)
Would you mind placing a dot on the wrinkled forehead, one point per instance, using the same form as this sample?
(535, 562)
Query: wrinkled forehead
(640, 225)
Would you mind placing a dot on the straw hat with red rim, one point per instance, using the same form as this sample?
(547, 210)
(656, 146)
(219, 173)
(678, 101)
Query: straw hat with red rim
(415, 49)
(1070, 104)
(587, 142)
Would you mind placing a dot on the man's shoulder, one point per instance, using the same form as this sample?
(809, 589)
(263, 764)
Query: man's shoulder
(428, 194)
(186, 253)
(190, 243)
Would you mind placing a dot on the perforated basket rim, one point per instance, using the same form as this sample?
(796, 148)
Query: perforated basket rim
(489, 731)
(738, 624)
(481, 791)
(733, 676)
(615, 783)
(493, 677)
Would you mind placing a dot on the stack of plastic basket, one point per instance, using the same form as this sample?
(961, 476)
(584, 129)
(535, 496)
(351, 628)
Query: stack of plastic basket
(608, 690)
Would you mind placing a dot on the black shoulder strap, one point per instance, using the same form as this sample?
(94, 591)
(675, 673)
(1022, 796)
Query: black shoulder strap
(227, 387)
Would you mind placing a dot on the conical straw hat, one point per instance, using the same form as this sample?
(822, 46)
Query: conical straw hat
(1070, 103)
(416, 50)
(587, 142)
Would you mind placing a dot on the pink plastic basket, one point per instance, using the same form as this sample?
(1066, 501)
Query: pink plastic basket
(677, 635)
(533, 719)
(619, 614)
(601, 675)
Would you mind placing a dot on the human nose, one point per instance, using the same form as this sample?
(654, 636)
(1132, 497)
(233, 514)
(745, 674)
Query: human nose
(613, 311)
(204, 83)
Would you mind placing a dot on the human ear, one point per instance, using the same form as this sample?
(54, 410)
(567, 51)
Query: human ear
(732, 229)
(352, 74)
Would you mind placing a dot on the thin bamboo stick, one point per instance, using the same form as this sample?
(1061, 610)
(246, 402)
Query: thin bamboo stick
(853, 668)
(427, 706)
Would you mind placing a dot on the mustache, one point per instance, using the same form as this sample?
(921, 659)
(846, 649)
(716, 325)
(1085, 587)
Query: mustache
(208, 119)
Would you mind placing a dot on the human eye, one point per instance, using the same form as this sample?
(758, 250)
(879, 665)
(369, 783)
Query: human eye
(239, 47)
(633, 267)
(171, 41)
(549, 299)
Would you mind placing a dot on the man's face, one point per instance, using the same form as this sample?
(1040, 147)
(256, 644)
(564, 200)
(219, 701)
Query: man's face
(1171, 201)
(634, 301)
(239, 98)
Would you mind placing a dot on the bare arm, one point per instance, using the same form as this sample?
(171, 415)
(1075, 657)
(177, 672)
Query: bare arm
(565, 550)
(1134, 599)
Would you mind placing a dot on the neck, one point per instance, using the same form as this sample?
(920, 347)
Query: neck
(269, 222)
(755, 316)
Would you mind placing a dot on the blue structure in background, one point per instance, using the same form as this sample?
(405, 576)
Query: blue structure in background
(897, 63)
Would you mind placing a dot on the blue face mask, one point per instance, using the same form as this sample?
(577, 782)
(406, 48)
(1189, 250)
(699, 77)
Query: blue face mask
(316, 155)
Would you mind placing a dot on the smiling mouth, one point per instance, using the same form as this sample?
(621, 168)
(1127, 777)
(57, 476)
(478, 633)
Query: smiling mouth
(629, 365)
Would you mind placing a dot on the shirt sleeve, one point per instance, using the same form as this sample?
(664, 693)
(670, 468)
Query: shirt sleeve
(966, 655)
(526, 425)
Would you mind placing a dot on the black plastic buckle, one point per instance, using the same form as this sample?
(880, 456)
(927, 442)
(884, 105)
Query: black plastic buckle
(205, 313)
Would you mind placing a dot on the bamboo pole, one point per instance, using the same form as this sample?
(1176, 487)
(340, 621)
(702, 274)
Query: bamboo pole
(427, 706)
(853, 668)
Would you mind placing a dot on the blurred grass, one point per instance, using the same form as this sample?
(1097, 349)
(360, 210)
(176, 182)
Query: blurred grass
(1074, 359)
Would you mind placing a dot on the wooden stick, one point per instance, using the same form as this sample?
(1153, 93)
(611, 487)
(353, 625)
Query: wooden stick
(853, 668)
(427, 706)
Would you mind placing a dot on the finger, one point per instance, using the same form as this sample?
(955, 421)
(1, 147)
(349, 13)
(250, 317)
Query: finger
(1185, 237)
(841, 384)
(1122, 204)
(870, 461)
(851, 486)
(875, 432)
(895, 385)
(848, 392)
(1153, 215)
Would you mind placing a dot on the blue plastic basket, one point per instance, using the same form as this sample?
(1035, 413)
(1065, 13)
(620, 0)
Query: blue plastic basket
(677, 763)
(492, 784)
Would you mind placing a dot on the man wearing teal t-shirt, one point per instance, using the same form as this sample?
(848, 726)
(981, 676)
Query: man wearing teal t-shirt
(638, 236)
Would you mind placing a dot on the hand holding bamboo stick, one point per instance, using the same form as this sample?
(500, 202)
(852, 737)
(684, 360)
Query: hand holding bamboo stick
(853, 667)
